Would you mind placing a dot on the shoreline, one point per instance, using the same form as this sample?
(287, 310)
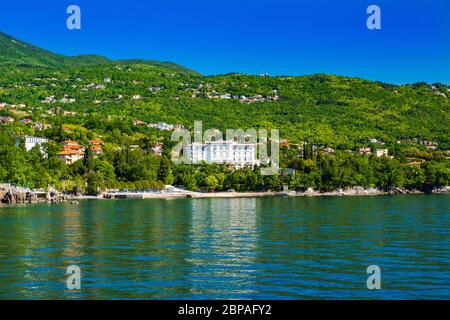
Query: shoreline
(357, 191)
(181, 194)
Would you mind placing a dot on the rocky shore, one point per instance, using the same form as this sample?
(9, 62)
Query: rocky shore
(16, 195)
(441, 190)
(361, 191)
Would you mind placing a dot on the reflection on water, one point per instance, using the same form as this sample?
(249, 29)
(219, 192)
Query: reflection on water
(276, 248)
(229, 230)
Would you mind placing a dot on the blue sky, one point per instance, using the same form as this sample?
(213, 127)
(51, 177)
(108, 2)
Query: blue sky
(280, 37)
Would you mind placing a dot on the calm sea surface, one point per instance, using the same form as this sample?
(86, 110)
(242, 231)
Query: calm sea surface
(256, 248)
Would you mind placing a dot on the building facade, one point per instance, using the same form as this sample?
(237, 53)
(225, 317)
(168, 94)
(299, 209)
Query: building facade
(72, 152)
(236, 154)
(382, 153)
(31, 142)
(96, 147)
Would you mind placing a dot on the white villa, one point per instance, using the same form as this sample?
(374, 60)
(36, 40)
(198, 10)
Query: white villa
(31, 142)
(382, 153)
(233, 153)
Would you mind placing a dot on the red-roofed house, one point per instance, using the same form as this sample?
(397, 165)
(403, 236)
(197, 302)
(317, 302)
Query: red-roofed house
(72, 152)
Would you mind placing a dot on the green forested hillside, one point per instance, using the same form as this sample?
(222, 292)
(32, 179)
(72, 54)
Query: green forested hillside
(14, 52)
(94, 97)
(325, 109)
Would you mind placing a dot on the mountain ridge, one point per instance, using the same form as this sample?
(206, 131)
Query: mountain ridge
(15, 52)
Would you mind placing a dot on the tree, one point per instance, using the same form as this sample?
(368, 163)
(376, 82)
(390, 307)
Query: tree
(94, 183)
(437, 174)
(165, 171)
(212, 182)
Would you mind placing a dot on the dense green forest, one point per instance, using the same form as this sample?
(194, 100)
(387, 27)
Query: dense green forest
(90, 97)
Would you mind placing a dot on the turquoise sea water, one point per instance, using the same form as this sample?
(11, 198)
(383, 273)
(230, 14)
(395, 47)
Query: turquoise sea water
(255, 248)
